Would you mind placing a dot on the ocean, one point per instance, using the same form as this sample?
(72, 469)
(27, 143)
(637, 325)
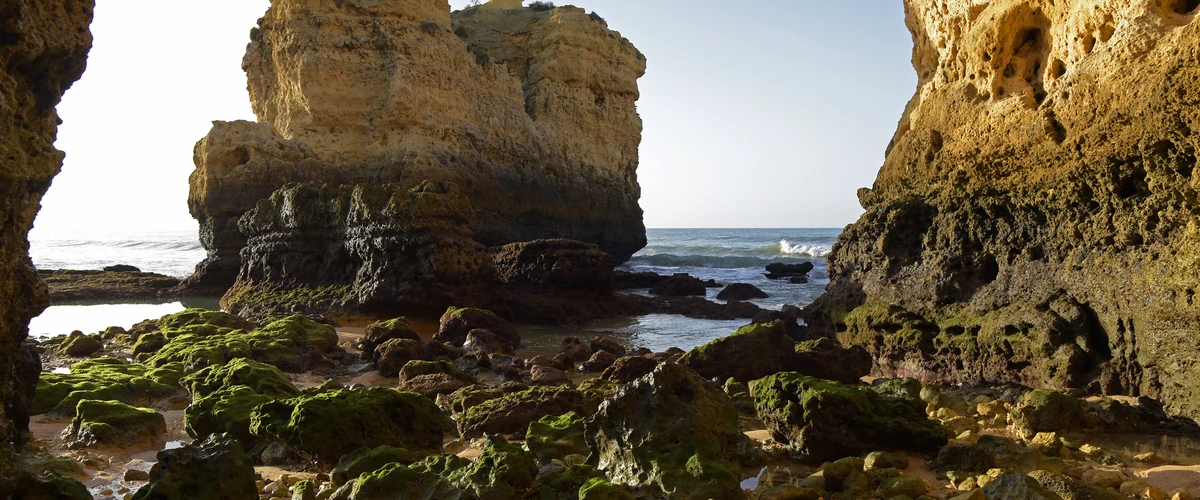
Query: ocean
(725, 255)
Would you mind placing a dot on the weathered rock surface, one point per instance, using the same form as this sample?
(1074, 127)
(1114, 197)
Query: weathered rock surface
(70, 286)
(115, 424)
(772, 351)
(214, 468)
(363, 249)
(43, 50)
(1034, 217)
(531, 111)
(671, 434)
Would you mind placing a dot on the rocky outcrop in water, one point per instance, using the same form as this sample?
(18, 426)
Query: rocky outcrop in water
(530, 111)
(1034, 220)
(43, 50)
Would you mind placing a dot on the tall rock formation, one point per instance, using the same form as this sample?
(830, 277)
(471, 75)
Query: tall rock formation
(1035, 220)
(43, 50)
(531, 112)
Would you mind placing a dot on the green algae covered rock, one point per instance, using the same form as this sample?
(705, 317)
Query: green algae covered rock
(216, 468)
(600, 489)
(511, 414)
(199, 316)
(109, 379)
(365, 460)
(395, 481)
(35, 475)
(504, 470)
(227, 410)
(1048, 410)
(821, 419)
(329, 425)
(282, 343)
(382, 331)
(909, 486)
(669, 434)
(563, 483)
(467, 397)
(260, 377)
(765, 343)
(79, 345)
(556, 437)
(115, 424)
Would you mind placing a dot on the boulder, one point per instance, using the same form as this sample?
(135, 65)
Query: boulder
(741, 291)
(396, 481)
(215, 468)
(1048, 410)
(554, 265)
(382, 331)
(827, 359)
(226, 410)
(484, 340)
(795, 273)
(328, 425)
(259, 377)
(600, 361)
(364, 460)
(820, 419)
(575, 349)
(548, 375)
(629, 368)
(393, 354)
(114, 424)
(670, 433)
(511, 414)
(1015, 485)
(290, 343)
(623, 280)
(963, 457)
(433, 384)
(768, 345)
(503, 470)
(457, 322)
(555, 437)
(78, 345)
(108, 379)
(680, 285)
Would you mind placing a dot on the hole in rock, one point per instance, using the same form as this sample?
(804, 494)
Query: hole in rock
(1184, 6)
(1132, 184)
(241, 156)
(988, 269)
(1058, 69)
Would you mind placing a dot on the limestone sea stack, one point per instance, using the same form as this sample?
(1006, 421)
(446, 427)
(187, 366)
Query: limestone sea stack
(529, 112)
(43, 50)
(1035, 219)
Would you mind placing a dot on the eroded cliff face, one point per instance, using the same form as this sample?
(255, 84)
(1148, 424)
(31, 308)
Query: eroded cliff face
(1035, 220)
(530, 112)
(43, 50)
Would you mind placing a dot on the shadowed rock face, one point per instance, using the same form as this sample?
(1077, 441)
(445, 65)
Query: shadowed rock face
(531, 113)
(43, 50)
(1035, 218)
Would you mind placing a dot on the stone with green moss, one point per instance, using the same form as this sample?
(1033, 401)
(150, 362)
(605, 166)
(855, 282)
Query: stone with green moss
(670, 433)
(199, 316)
(149, 343)
(283, 343)
(216, 468)
(104, 379)
(511, 414)
(765, 343)
(1048, 410)
(457, 322)
(35, 475)
(821, 419)
(395, 481)
(467, 397)
(79, 345)
(600, 386)
(910, 486)
(226, 410)
(382, 331)
(442, 465)
(304, 490)
(260, 377)
(364, 460)
(556, 437)
(114, 424)
(503, 470)
(600, 489)
(272, 301)
(328, 425)
(563, 483)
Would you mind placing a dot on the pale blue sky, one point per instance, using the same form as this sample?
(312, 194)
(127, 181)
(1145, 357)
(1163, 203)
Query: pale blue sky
(756, 114)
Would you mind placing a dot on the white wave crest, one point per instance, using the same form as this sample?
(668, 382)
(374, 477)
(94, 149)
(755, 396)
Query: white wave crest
(799, 250)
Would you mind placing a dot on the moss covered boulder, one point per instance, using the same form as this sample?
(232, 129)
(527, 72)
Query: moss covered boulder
(669, 434)
(114, 424)
(382, 331)
(821, 419)
(364, 460)
(35, 475)
(467, 397)
(198, 316)
(457, 322)
(393, 354)
(328, 425)
(511, 414)
(395, 481)
(286, 343)
(504, 470)
(226, 410)
(1048, 410)
(773, 351)
(600, 489)
(108, 379)
(260, 377)
(78, 345)
(767, 344)
(556, 437)
(216, 468)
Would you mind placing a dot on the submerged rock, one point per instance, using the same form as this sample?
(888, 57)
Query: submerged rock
(114, 424)
(329, 425)
(680, 285)
(741, 291)
(216, 468)
(820, 419)
(669, 434)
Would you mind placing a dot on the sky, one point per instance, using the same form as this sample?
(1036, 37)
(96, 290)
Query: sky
(763, 114)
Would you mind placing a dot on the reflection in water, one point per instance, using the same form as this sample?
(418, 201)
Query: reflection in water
(91, 318)
(656, 332)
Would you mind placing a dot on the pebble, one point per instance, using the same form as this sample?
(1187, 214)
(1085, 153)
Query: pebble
(137, 475)
(1090, 450)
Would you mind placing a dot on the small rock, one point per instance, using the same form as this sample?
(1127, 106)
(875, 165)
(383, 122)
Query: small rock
(548, 375)
(606, 344)
(78, 345)
(1151, 458)
(599, 361)
(1103, 478)
(741, 291)
(137, 475)
(884, 460)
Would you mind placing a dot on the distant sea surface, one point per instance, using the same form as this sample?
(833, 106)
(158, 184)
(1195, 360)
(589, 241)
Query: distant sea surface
(725, 255)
